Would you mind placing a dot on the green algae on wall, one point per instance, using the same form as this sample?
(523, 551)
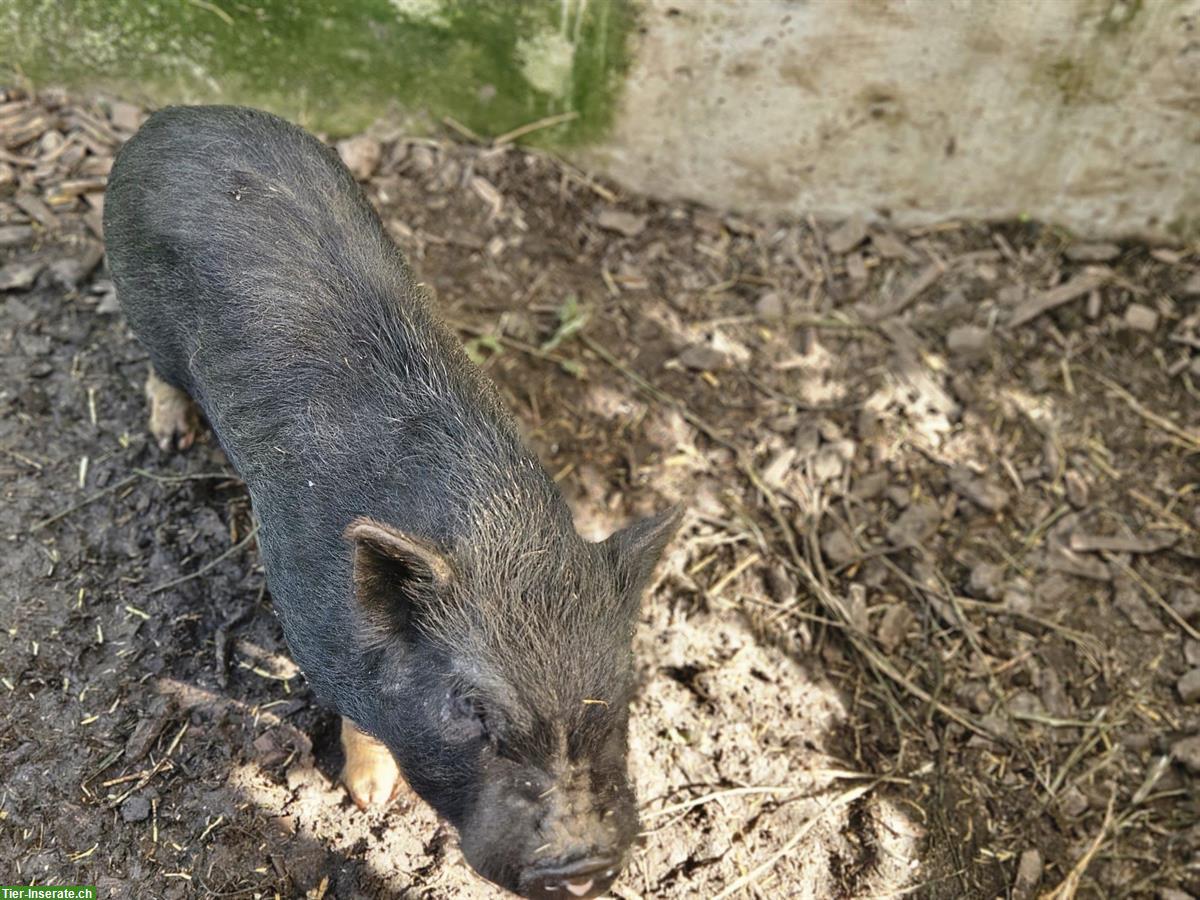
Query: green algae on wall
(493, 65)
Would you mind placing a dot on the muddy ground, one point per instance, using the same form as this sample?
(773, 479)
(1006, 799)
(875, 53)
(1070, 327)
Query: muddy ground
(931, 626)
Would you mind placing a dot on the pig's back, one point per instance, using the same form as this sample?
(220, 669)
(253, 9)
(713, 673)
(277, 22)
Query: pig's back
(230, 220)
(261, 281)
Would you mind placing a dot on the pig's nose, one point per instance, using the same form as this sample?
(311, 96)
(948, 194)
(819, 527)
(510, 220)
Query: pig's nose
(589, 877)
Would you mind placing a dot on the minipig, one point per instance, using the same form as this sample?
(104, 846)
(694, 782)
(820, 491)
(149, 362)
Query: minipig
(425, 568)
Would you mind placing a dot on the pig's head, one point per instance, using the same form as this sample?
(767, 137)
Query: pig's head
(504, 678)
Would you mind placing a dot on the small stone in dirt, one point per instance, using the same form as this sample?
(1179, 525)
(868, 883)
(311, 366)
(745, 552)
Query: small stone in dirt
(769, 306)
(1189, 687)
(1141, 318)
(1029, 875)
(838, 548)
(70, 272)
(856, 607)
(50, 141)
(19, 312)
(983, 493)
(1187, 753)
(1092, 253)
(1077, 489)
(1073, 802)
(1170, 893)
(987, 581)
(720, 352)
(1191, 652)
(1129, 601)
(829, 430)
(1192, 286)
(1023, 703)
(7, 175)
(422, 158)
(622, 222)
(777, 469)
(779, 587)
(1186, 602)
(704, 357)
(1054, 591)
(124, 116)
(915, 525)
(828, 464)
(969, 341)
(1010, 295)
(1017, 599)
(20, 276)
(868, 425)
(889, 246)
(361, 154)
(856, 267)
(870, 485)
(893, 626)
(135, 809)
(1054, 696)
(847, 236)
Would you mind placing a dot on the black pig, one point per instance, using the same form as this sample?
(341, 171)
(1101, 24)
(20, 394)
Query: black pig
(427, 572)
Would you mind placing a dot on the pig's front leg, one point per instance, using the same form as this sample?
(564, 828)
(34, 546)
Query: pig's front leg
(173, 416)
(370, 773)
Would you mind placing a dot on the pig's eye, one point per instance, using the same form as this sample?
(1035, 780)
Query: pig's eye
(465, 716)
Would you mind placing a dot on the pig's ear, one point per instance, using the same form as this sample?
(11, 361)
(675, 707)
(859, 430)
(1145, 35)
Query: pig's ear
(393, 571)
(635, 550)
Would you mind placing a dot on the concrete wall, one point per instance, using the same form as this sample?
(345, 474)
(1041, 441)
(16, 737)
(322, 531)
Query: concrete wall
(337, 65)
(1079, 112)
(1084, 113)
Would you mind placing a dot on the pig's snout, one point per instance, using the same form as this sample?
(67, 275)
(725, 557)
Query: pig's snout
(588, 877)
(563, 843)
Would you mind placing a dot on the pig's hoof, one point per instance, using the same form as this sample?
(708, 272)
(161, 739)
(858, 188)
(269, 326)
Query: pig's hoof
(370, 774)
(173, 417)
(374, 783)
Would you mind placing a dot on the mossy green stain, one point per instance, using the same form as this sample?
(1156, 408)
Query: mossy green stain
(1069, 78)
(1119, 16)
(332, 66)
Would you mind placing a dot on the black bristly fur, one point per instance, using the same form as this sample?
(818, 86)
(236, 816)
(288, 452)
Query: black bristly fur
(260, 281)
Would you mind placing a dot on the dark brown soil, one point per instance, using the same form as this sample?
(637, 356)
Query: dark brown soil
(927, 629)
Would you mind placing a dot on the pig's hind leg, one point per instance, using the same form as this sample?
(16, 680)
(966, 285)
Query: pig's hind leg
(370, 773)
(173, 416)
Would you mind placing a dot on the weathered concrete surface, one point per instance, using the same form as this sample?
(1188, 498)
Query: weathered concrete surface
(1079, 112)
(493, 65)
(1084, 113)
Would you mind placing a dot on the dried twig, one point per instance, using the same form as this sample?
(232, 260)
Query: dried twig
(1070, 885)
(1189, 438)
(208, 565)
(841, 800)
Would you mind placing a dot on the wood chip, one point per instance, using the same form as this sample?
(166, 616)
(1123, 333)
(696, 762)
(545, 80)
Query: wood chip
(626, 223)
(915, 288)
(1092, 253)
(69, 190)
(1056, 297)
(1095, 543)
(847, 236)
(12, 235)
(36, 210)
(889, 246)
(20, 276)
